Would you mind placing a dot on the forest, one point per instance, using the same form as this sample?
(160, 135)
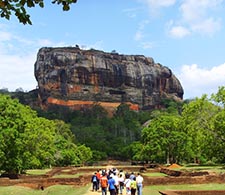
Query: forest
(191, 131)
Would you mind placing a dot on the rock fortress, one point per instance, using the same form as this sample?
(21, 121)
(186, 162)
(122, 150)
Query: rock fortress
(76, 78)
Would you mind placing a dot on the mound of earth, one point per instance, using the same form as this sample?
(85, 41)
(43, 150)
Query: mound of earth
(174, 166)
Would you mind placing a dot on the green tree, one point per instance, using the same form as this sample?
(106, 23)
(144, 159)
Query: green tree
(19, 8)
(162, 139)
(198, 124)
(135, 151)
(219, 125)
(84, 153)
(219, 97)
(218, 143)
(65, 148)
(28, 141)
(129, 126)
(25, 140)
(106, 136)
(37, 143)
(172, 106)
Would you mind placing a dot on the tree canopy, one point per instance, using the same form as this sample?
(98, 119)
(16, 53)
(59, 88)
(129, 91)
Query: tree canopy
(196, 135)
(192, 131)
(28, 141)
(19, 8)
(163, 139)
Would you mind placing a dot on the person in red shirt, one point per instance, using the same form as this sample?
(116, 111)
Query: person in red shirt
(104, 183)
(99, 177)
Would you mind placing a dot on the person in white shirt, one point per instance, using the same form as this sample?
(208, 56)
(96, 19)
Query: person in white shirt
(115, 177)
(121, 183)
(139, 180)
(127, 184)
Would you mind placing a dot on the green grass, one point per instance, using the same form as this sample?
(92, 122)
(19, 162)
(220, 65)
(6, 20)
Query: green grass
(155, 174)
(66, 170)
(70, 190)
(216, 169)
(37, 171)
(153, 190)
(67, 175)
(52, 190)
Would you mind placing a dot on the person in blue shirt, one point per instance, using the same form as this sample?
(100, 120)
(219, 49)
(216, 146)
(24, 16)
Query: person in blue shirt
(111, 184)
(94, 181)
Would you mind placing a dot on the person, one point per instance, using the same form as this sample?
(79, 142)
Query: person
(132, 176)
(122, 173)
(99, 177)
(127, 184)
(104, 183)
(115, 177)
(133, 186)
(111, 184)
(121, 183)
(139, 181)
(94, 181)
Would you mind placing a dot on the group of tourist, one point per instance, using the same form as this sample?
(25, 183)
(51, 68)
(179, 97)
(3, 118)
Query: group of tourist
(116, 182)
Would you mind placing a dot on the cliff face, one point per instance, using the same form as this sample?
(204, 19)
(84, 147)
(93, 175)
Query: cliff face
(75, 78)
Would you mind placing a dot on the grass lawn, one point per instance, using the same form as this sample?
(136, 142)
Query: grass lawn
(155, 174)
(68, 175)
(215, 168)
(153, 190)
(37, 171)
(70, 190)
(52, 190)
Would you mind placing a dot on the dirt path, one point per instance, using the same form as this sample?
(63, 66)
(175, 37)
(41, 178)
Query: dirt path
(90, 192)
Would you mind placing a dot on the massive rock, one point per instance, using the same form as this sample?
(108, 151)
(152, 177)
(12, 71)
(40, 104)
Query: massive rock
(73, 77)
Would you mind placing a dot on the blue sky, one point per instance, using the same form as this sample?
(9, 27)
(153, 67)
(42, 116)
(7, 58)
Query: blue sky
(188, 36)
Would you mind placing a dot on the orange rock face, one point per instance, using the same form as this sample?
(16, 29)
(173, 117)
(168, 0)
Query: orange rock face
(77, 104)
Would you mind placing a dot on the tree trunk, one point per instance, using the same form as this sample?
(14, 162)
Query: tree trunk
(168, 158)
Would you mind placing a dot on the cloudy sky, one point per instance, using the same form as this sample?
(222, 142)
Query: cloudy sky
(188, 36)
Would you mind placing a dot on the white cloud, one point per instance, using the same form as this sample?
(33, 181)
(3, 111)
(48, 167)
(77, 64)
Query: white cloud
(195, 11)
(208, 26)
(197, 81)
(147, 45)
(197, 17)
(193, 16)
(139, 35)
(18, 55)
(132, 12)
(97, 45)
(5, 36)
(179, 32)
(17, 71)
(17, 64)
(157, 4)
(154, 6)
